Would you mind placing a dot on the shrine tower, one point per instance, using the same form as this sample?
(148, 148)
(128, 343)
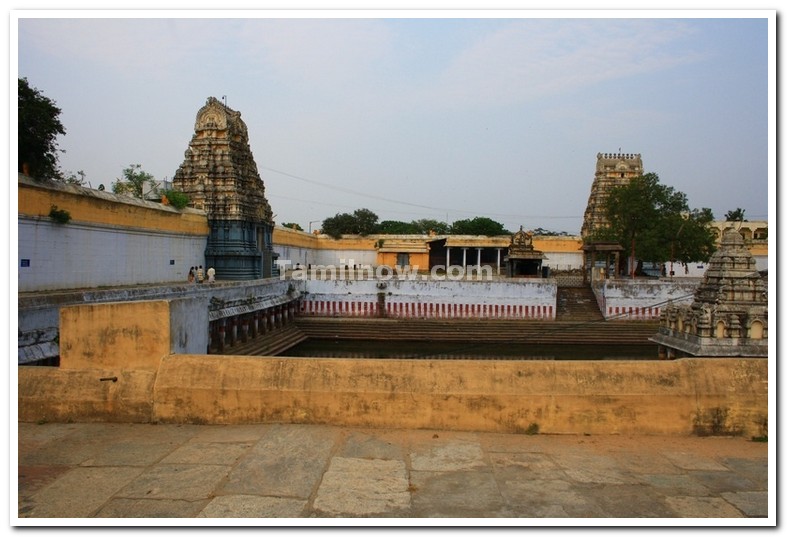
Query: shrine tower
(219, 176)
(729, 315)
(612, 169)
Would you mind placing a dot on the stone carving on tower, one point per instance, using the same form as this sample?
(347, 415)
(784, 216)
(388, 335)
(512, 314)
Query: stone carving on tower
(729, 315)
(220, 177)
(612, 169)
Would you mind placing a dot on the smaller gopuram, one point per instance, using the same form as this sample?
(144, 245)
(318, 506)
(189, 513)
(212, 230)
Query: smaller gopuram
(220, 177)
(523, 259)
(729, 315)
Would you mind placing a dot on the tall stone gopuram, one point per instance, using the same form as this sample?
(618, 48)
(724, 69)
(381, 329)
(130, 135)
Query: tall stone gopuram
(612, 170)
(220, 177)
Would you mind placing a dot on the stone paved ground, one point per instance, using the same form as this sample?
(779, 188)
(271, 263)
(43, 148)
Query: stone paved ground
(275, 471)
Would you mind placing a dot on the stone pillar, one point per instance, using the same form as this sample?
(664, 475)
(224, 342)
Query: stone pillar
(498, 261)
(222, 335)
(464, 258)
(447, 258)
(233, 330)
(254, 324)
(478, 258)
(244, 328)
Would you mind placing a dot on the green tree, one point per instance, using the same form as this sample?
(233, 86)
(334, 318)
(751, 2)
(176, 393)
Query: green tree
(39, 127)
(547, 233)
(133, 181)
(735, 216)
(480, 225)
(427, 225)
(396, 227)
(72, 178)
(653, 222)
(360, 222)
(293, 225)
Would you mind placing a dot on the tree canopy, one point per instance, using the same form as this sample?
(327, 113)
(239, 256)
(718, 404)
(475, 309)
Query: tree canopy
(133, 181)
(735, 216)
(653, 222)
(360, 222)
(39, 127)
(480, 225)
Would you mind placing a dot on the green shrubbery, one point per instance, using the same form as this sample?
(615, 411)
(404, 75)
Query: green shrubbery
(177, 199)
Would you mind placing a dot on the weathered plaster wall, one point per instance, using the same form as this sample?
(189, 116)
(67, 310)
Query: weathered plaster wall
(121, 369)
(641, 299)
(573, 397)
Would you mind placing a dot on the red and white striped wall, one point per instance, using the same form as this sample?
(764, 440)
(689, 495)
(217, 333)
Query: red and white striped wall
(432, 310)
(633, 313)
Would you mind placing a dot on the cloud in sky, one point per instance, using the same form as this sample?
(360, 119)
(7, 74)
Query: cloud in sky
(475, 116)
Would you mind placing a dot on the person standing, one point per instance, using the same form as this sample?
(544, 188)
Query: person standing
(211, 275)
(200, 275)
(191, 275)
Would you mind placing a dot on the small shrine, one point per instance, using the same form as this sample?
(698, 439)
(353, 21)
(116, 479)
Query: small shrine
(729, 315)
(523, 259)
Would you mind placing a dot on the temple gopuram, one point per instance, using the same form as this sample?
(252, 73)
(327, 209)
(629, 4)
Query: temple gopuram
(523, 259)
(612, 170)
(729, 315)
(219, 176)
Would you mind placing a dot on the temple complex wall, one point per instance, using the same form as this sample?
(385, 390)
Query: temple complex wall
(126, 372)
(419, 298)
(298, 247)
(110, 240)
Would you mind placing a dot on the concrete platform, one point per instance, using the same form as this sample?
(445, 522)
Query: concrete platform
(282, 474)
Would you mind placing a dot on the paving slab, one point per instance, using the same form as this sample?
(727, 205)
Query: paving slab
(79, 493)
(751, 503)
(269, 472)
(702, 507)
(257, 507)
(176, 481)
(288, 461)
(154, 508)
(363, 487)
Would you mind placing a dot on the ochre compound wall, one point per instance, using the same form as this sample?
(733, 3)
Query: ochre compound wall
(682, 397)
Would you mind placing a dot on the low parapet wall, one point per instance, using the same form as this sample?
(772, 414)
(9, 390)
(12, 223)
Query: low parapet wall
(100, 381)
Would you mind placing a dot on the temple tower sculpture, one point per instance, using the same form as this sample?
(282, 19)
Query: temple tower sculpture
(220, 177)
(602, 259)
(729, 315)
(612, 169)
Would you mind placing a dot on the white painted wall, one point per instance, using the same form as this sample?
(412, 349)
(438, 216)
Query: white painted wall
(419, 298)
(79, 255)
(641, 299)
(563, 260)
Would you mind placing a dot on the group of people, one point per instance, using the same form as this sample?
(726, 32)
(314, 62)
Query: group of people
(197, 275)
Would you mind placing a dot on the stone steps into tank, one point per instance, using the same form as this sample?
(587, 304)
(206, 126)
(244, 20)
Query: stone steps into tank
(577, 304)
(536, 332)
(269, 344)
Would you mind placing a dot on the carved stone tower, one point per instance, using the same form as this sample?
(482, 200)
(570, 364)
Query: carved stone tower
(612, 169)
(220, 177)
(729, 315)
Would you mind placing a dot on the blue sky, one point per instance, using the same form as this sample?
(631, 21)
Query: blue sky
(444, 118)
